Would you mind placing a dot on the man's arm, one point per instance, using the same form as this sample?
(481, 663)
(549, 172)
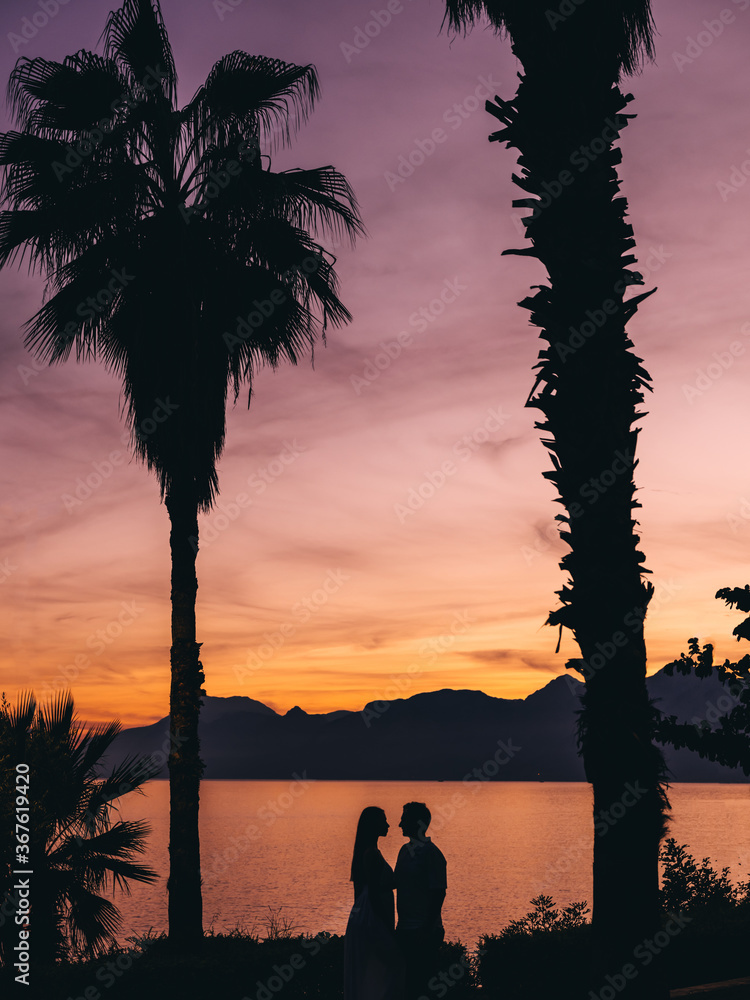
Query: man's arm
(435, 898)
(437, 883)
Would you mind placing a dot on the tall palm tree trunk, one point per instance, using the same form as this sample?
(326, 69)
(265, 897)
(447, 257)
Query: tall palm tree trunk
(186, 263)
(185, 764)
(564, 126)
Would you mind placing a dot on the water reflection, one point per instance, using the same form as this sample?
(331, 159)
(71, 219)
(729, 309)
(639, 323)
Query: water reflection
(288, 844)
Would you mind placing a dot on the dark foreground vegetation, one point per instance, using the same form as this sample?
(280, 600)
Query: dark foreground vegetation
(705, 929)
(235, 966)
(703, 938)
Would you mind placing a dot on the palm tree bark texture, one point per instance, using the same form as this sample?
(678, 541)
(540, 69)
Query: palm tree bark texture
(564, 120)
(589, 386)
(185, 765)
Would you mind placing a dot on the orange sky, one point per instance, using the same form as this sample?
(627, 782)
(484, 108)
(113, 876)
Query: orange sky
(317, 546)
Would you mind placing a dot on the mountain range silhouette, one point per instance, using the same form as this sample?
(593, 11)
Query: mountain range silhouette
(439, 735)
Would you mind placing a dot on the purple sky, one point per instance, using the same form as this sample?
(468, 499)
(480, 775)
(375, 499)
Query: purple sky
(458, 589)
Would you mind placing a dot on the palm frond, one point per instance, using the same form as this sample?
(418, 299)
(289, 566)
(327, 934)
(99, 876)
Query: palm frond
(79, 850)
(253, 93)
(53, 222)
(92, 921)
(127, 776)
(120, 840)
(79, 314)
(135, 37)
(95, 744)
(106, 855)
(53, 98)
(57, 717)
(318, 199)
(102, 856)
(28, 149)
(462, 15)
(22, 716)
(296, 260)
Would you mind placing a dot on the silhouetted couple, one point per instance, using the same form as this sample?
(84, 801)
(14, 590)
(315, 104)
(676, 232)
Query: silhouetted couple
(380, 962)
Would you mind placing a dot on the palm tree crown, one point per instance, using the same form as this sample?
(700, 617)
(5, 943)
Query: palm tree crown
(77, 849)
(172, 252)
(611, 35)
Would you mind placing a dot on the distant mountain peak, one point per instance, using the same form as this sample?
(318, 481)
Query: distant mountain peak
(562, 686)
(433, 735)
(215, 707)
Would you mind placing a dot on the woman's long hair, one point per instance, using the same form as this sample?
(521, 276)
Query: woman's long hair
(369, 826)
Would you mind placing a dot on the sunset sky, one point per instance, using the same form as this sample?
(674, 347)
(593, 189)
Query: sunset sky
(457, 588)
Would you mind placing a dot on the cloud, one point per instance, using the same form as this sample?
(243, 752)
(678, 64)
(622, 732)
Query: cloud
(490, 655)
(515, 656)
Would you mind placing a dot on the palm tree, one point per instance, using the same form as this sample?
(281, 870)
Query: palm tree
(74, 847)
(174, 255)
(564, 120)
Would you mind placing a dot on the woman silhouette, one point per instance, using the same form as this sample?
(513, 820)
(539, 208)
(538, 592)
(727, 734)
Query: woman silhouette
(372, 965)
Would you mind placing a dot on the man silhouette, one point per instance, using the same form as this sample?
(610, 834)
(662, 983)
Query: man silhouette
(420, 877)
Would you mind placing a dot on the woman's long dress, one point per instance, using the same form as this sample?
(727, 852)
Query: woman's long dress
(372, 964)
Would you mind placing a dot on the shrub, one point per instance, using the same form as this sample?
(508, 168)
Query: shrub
(688, 886)
(543, 954)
